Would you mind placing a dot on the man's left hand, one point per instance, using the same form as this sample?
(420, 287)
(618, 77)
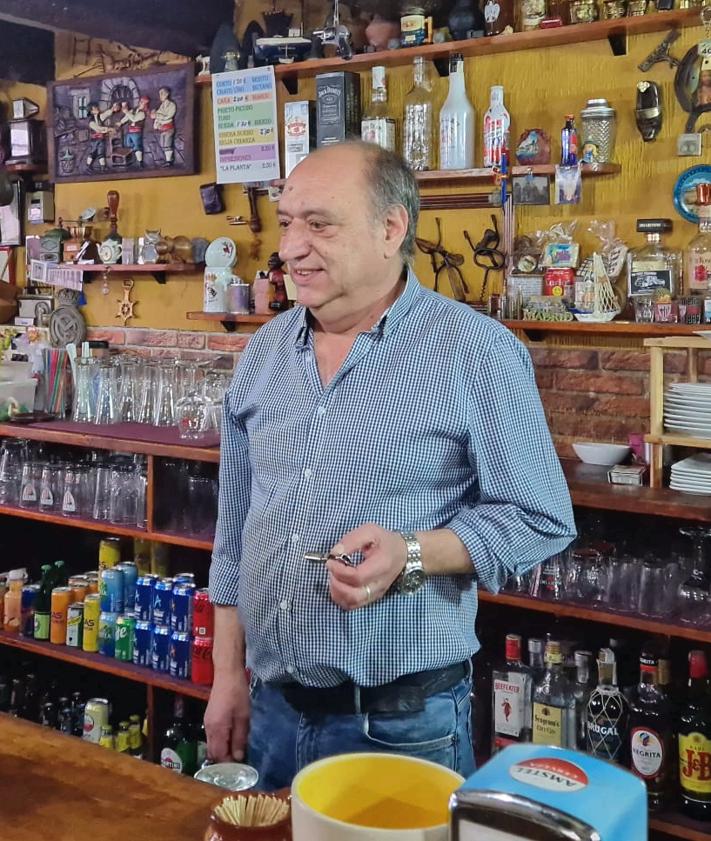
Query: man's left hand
(384, 555)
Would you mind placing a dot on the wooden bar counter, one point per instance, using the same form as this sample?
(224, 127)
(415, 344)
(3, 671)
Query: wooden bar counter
(60, 788)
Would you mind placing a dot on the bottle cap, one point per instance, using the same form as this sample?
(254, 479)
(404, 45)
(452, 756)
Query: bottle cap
(513, 647)
(535, 646)
(698, 667)
(17, 574)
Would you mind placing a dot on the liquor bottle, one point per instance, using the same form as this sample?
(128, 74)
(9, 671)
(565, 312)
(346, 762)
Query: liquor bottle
(43, 603)
(497, 123)
(61, 576)
(30, 701)
(607, 717)
(535, 659)
(554, 703)
(123, 738)
(135, 738)
(5, 693)
(77, 714)
(511, 698)
(179, 748)
(201, 745)
(581, 690)
(418, 123)
(65, 717)
(48, 715)
(106, 738)
(695, 742)
(654, 268)
(697, 255)
(652, 733)
(569, 142)
(377, 125)
(456, 121)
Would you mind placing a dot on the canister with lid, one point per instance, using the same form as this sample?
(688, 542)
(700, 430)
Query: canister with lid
(599, 124)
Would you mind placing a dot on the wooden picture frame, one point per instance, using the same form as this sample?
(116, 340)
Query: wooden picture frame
(123, 125)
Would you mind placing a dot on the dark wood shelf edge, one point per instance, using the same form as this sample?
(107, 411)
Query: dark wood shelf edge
(679, 826)
(108, 665)
(136, 268)
(235, 318)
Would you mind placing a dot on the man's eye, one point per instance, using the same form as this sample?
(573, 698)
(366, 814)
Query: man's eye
(317, 226)
(283, 224)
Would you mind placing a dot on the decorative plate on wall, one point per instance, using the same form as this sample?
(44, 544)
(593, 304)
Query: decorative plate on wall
(685, 191)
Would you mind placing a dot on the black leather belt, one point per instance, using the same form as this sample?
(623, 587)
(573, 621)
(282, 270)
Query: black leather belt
(405, 694)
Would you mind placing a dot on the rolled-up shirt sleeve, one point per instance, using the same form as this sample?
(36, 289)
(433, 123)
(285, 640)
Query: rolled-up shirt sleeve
(235, 481)
(523, 513)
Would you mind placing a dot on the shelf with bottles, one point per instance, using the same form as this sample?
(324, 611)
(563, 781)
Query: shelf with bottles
(534, 329)
(229, 320)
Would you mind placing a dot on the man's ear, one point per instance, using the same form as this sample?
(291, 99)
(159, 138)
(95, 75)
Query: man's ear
(396, 222)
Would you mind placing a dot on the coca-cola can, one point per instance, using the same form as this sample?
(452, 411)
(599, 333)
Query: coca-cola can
(201, 670)
(203, 614)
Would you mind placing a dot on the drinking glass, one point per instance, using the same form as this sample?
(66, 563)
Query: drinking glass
(30, 484)
(694, 594)
(586, 577)
(84, 403)
(13, 454)
(651, 588)
(551, 586)
(102, 491)
(51, 480)
(164, 414)
(196, 417)
(77, 500)
(106, 410)
(623, 584)
(123, 496)
(129, 381)
(147, 392)
(199, 511)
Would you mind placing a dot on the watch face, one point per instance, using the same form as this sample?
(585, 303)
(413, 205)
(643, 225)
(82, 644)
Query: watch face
(412, 580)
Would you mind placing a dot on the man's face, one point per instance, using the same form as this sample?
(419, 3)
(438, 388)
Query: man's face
(163, 94)
(334, 248)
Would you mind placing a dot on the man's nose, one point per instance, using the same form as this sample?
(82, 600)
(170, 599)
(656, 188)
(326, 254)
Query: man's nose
(294, 242)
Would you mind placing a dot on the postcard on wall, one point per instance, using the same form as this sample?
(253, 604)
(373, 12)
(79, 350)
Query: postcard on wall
(245, 126)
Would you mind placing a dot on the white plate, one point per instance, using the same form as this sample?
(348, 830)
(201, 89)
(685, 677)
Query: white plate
(701, 400)
(221, 253)
(698, 460)
(690, 491)
(691, 475)
(692, 433)
(690, 387)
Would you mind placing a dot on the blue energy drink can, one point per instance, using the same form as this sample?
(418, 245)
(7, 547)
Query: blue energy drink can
(160, 648)
(111, 590)
(142, 643)
(180, 655)
(143, 601)
(130, 576)
(181, 613)
(162, 597)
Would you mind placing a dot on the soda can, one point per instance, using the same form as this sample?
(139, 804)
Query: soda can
(107, 633)
(181, 607)
(162, 596)
(142, 643)
(160, 559)
(27, 608)
(203, 614)
(184, 578)
(92, 612)
(109, 552)
(111, 590)
(75, 624)
(80, 586)
(201, 670)
(179, 665)
(96, 716)
(130, 576)
(61, 599)
(160, 648)
(124, 640)
(143, 602)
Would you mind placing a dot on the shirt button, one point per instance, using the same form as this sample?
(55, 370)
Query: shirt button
(290, 670)
(284, 604)
(295, 538)
(308, 473)
(321, 411)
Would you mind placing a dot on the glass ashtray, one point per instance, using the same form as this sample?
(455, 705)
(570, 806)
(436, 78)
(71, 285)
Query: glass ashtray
(233, 776)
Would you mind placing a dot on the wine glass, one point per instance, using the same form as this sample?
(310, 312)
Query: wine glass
(694, 594)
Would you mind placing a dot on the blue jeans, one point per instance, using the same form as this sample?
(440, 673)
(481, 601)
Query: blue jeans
(282, 741)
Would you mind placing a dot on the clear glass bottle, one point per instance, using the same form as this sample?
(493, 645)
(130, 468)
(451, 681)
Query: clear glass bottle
(554, 703)
(497, 122)
(377, 125)
(511, 698)
(607, 714)
(535, 658)
(581, 691)
(456, 121)
(697, 255)
(654, 268)
(418, 124)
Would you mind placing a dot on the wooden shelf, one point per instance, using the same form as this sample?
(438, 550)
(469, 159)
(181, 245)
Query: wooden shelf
(610, 328)
(679, 826)
(229, 320)
(99, 663)
(604, 617)
(134, 268)
(678, 440)
(28, 168)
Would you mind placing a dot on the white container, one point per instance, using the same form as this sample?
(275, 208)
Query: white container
(215, 284)
(456, 121)
(603, 454)
(497, 122)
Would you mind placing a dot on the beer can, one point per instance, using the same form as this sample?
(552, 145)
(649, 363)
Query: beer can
(96, 716)
(107, 633)
(80, 586)
(130, 576)
(125, 631)
(160, 648)
(203, 614)
(142, 643)
(61, 598)
(93, 579)
(143, 601)
(184, 578)
(201, 670)
(75, 624)
(27, 610)
(142, 555)
(179, 665)
(162, 596)
(92, 613)
(111, 590)
(109, 552)
(160, 559)
(181, 607)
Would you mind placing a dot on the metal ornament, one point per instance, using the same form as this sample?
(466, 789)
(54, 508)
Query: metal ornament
(66, 325)
(648, 112)
(126, 305)
(692, 82)
(661, 52)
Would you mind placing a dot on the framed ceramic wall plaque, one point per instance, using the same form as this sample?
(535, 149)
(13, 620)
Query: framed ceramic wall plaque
(124, 125)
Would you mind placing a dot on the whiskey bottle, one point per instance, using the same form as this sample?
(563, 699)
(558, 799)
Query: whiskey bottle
(695, 742)
(377, 126)
(607, 715)
(511, 698)
(581, 691)
(554, 703)
(418, 123)
(652, 733)
(654, 268)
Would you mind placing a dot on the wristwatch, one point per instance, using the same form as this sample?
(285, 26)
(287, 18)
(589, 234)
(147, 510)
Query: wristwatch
(412, 576)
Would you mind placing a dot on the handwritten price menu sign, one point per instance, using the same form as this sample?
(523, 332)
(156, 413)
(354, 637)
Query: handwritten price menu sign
(245, 126)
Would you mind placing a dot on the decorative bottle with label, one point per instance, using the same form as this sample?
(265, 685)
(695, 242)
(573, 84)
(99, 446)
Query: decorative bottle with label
(496, 127)
(554, 703)
(178, 747)
(653, 268)
(511, 698)
(456, 121)
(607, 716)
(695, 742)
(377, 125)
(652, 733)
(418, 122)
(697, 256)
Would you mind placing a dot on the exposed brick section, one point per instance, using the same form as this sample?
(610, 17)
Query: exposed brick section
(151, 338)
(624, 360)
(556, 401)
(114, 336)
(544, 378)
(227, 341)
(592, 381)
(561, 358)
(191, 341)
(626, 407)
(590, 428)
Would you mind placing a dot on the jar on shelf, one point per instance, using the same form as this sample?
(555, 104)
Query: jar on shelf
(583, 11)
(613, 9)
(599, 125)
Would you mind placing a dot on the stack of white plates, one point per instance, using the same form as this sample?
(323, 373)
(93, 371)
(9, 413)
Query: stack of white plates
(687, 409)
(692, 475)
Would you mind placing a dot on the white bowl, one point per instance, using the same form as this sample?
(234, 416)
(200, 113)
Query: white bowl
(603, 454)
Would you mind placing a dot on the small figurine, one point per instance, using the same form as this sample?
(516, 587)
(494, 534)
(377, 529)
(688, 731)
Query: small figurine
(164, 123)
(204, 64)
(280, 300)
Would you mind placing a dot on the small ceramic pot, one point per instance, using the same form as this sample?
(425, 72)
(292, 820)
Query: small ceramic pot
(218, 830)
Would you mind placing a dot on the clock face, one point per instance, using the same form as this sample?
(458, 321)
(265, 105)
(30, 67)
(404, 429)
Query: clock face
(412, 580)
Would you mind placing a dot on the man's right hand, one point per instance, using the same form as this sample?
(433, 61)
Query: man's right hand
(227, 718)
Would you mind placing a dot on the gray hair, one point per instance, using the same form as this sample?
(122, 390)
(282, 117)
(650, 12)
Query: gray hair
(392, 182)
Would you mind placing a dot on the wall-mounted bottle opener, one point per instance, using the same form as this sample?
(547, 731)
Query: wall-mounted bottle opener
(648, 111)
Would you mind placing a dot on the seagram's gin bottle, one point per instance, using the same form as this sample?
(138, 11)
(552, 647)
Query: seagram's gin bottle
(418, 122)
(554, 703)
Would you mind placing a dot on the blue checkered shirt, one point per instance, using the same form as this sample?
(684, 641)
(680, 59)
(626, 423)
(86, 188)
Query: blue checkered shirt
(433, 421)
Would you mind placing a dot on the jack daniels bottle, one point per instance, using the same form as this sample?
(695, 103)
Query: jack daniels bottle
(607, 714)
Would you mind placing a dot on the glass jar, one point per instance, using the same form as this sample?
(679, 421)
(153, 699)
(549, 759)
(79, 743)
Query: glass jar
(599, 125)
(583, 11)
